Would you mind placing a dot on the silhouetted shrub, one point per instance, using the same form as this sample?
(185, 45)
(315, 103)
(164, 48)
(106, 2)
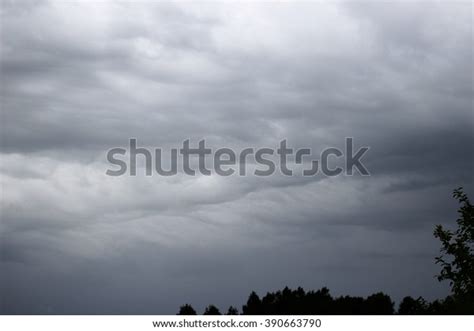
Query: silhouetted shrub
(232, 311)
(186, 310)
(212, 310)
(410, 306)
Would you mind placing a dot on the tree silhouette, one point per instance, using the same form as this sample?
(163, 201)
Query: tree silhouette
(379, 304)
(253, 306)
(299, 302)
(320, 302)
(410, 306)
(348, 305)
(212, 310)
(457, 252)
(232, 311)
(186, 310)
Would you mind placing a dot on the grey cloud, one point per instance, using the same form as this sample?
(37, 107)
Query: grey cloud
(78, 79)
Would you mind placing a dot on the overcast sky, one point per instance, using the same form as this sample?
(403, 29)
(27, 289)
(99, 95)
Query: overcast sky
(78, 79)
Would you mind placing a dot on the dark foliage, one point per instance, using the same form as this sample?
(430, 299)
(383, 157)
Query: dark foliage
(212, 310)
(186, 310)
(299, 302)
(457, 254)
(320, 302)
(447, 306)
(232, 311)
(410, 306)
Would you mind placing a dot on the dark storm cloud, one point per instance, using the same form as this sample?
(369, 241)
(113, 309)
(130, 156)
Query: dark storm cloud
(78, 79)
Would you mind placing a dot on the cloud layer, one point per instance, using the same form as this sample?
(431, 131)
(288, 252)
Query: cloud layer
(78, 79)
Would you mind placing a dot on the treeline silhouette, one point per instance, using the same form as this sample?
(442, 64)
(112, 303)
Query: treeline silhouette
(456, 260)
(320, 302)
